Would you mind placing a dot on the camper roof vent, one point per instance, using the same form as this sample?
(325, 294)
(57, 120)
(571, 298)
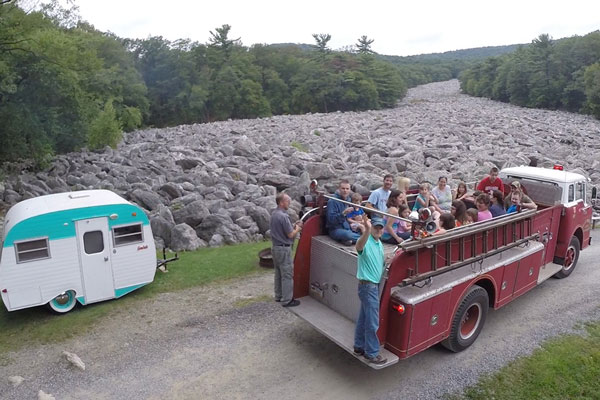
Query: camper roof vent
(78, 195)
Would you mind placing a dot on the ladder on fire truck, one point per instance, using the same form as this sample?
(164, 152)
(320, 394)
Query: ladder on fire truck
(475, 242)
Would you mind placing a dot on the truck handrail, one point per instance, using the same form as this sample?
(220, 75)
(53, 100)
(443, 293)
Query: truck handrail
(465, 230)
(366, 208)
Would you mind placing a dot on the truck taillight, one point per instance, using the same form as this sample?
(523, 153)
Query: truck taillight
(558, 167)
(399, 308)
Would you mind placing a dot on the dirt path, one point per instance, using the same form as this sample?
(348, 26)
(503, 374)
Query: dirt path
(202, 344)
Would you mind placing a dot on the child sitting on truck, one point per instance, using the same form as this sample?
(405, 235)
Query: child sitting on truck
(355, 216)
(471, 216)
(483, 204)
(517, 203)
(424, 198)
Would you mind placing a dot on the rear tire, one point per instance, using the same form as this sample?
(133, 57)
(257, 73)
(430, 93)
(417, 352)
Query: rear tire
(468, 320)
(63, 303)
(571, 258)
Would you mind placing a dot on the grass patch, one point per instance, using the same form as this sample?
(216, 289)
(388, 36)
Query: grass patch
(37, 325)
(567, 367)
(299, 146)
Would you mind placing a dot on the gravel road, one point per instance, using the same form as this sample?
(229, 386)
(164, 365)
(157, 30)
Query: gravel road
(200, 344)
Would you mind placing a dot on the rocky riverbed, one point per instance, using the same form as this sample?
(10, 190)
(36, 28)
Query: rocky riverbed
(213, 184)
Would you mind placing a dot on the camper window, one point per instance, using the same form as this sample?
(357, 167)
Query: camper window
(93, 242)
(128, 234)
(32, 250)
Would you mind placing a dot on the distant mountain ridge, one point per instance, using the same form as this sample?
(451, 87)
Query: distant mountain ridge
(476, 53)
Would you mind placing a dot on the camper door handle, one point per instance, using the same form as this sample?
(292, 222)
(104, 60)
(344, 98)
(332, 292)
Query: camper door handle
(106, 258)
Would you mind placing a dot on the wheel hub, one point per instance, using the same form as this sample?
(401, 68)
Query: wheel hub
(470, 321)
(569, 258)
(62, 299)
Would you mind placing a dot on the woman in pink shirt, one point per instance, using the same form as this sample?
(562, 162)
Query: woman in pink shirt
(483, 207)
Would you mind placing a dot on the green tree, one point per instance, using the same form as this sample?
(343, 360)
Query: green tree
(105, 129)
(322, 40)
(591, 79)
(364, 45)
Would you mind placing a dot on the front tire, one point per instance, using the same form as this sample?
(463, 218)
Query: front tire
(63, 303)
(468, 320)
(571, 258)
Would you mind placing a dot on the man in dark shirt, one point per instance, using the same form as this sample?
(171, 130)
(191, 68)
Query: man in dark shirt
(282, 236)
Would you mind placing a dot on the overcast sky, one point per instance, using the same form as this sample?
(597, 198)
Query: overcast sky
(398, 27)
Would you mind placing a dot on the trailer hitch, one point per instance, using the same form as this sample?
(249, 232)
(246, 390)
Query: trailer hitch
(162, 264)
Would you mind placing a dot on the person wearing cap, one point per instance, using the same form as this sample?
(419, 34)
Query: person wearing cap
(379, 197)
(282, 236)
(516, 186)
(369, 272)
(491, 182)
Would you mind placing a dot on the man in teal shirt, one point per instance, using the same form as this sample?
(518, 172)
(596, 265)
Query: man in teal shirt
(370, 269)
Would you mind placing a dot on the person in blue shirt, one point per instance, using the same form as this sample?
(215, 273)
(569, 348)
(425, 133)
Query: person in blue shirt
(379, 197)
(337, 213)
(369, 272)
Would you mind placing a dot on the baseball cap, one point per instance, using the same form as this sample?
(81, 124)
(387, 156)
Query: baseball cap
(376, 221)
(516, 184)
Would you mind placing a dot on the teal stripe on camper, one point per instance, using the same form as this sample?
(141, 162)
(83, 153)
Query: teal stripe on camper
(125, 290)
(61, 224)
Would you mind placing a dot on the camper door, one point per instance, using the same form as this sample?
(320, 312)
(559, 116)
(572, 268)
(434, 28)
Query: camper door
(94, 252)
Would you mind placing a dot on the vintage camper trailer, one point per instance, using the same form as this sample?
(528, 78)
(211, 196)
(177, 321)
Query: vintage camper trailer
(84, 246)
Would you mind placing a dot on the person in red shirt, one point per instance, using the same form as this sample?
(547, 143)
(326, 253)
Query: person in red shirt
(491, 182)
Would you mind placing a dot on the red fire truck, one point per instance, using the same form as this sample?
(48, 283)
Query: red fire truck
(439, 288)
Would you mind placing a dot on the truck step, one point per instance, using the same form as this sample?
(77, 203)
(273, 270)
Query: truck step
(336, 327)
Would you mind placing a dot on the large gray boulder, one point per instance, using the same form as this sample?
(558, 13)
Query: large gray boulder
(161, 228)
(148, 200)
(192, 214)
(183, 237)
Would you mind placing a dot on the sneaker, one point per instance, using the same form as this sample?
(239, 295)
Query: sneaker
(348, 243)
(358, 351)
(278, 300)
(377, 360)
(292, 303)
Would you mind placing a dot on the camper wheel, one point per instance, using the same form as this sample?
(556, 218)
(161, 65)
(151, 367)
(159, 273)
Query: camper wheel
(63, 303)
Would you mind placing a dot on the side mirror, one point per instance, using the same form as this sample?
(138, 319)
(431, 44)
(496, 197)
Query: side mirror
(594, 193)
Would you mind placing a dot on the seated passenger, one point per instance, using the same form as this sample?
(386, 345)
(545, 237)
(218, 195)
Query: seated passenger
(424, 197)
(517, 203)
(378, 198)
(459, 210)
(443, 194)
(355, 217)
(337, 212)
(391, 232)
(497, 204)
(483, 204)
(463, 194)
(516, 186)
(491, 182)
(471, 215)
(404, 184)
(446, 223)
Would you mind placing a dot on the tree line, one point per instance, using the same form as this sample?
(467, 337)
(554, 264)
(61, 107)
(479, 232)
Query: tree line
(65, 85)
(553, 74)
